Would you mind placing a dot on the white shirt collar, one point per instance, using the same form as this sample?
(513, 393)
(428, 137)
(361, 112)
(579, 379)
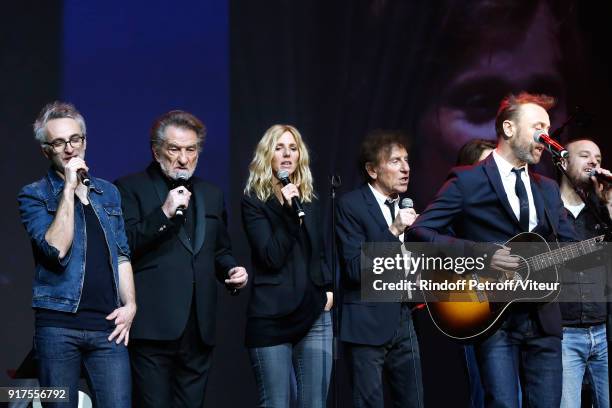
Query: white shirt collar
(380, 197)
(504, 166)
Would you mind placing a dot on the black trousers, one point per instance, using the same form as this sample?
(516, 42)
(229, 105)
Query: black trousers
(398, 359)
(171, 373)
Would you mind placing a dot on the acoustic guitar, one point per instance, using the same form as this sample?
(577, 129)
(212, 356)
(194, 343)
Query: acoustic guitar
(476, 310)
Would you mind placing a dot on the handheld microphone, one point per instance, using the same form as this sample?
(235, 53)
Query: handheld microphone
(283, 176)
(406, 203)
(181, 180)
(551, 144)
(84, 177)
(601, 177)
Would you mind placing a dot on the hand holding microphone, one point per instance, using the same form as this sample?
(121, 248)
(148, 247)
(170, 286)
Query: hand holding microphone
(181, 181)
(404, 218)
(290, 193)
(602, 175)
(75, 171)
(177, 199)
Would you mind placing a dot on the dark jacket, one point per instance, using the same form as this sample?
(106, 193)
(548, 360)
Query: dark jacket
(278, 274)
(359, 220)
(474, 205)
(168, 267)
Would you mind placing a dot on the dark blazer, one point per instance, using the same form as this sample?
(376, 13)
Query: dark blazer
(166, 263)
(359, 219)
(278, 274)
(474, 205)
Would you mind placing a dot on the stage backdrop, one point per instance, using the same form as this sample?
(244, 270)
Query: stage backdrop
(334, 69)
(433, 69)
(122, 64)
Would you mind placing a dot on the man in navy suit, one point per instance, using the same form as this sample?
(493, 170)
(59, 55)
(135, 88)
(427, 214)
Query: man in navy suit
(377, 336)
(491, 202)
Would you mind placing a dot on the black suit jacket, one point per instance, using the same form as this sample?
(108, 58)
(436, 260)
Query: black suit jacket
(359, 219)
(473, 204)
(278, 273)
(166, 263)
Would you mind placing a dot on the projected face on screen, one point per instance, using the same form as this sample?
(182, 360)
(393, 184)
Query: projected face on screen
(527, 60)
(495, 49)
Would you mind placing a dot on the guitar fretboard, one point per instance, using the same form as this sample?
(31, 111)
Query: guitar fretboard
(566, 253)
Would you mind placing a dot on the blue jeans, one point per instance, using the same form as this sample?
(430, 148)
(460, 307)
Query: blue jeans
(476, 391)
(61, 352)
(519, 349)
(400, 360)
(585, 351)
(311, 360)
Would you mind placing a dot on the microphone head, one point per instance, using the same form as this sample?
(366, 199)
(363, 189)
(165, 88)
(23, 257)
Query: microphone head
(182, 180)
(406, 203)
(182, 175)
(538, 134)
(282, 174)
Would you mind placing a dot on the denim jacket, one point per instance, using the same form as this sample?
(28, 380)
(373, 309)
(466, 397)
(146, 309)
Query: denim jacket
(58, 283)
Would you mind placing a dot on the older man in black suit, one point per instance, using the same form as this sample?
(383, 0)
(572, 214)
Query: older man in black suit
(176, 227)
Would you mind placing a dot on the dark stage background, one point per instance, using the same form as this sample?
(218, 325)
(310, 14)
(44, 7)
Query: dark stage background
(334, 69)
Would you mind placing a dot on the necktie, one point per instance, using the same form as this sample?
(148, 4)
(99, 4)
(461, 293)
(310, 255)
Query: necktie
(402, 296)
(521, 193)
(391, 204)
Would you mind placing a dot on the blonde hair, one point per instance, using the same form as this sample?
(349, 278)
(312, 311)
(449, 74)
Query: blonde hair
(261, 180)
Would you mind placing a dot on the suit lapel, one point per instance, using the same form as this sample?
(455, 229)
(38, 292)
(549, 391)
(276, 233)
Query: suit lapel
(373, 207)
(200, 221)
(538, 200)
(162, 191)
(495, 179)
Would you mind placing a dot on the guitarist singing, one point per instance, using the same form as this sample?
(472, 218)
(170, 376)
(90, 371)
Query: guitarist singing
(491, 202)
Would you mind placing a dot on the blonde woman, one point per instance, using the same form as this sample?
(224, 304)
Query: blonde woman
(289, 324)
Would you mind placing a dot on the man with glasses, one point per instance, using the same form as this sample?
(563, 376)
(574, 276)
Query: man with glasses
(83, 292)
(176, 227)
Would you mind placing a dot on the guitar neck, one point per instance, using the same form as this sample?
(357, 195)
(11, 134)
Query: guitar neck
(566, 253)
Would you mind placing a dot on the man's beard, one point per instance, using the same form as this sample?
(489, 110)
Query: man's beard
(176, 174)
(581, 179)
(523, 152)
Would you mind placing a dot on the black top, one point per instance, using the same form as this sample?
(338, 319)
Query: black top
(588, 279)
(98, 297)
(166, 261)
(270, 331)
(290, 275)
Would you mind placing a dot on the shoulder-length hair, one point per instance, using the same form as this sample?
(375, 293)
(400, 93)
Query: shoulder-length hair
(261, 179)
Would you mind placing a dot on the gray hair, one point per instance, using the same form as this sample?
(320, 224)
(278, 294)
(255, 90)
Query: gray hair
(56, 110)
(179, 119)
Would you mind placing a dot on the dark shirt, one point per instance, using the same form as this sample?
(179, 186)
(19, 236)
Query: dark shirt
(291, 328)
(98, 298)
(588, 280)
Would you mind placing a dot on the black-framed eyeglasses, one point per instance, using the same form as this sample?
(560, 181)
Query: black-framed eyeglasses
(59, 145)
